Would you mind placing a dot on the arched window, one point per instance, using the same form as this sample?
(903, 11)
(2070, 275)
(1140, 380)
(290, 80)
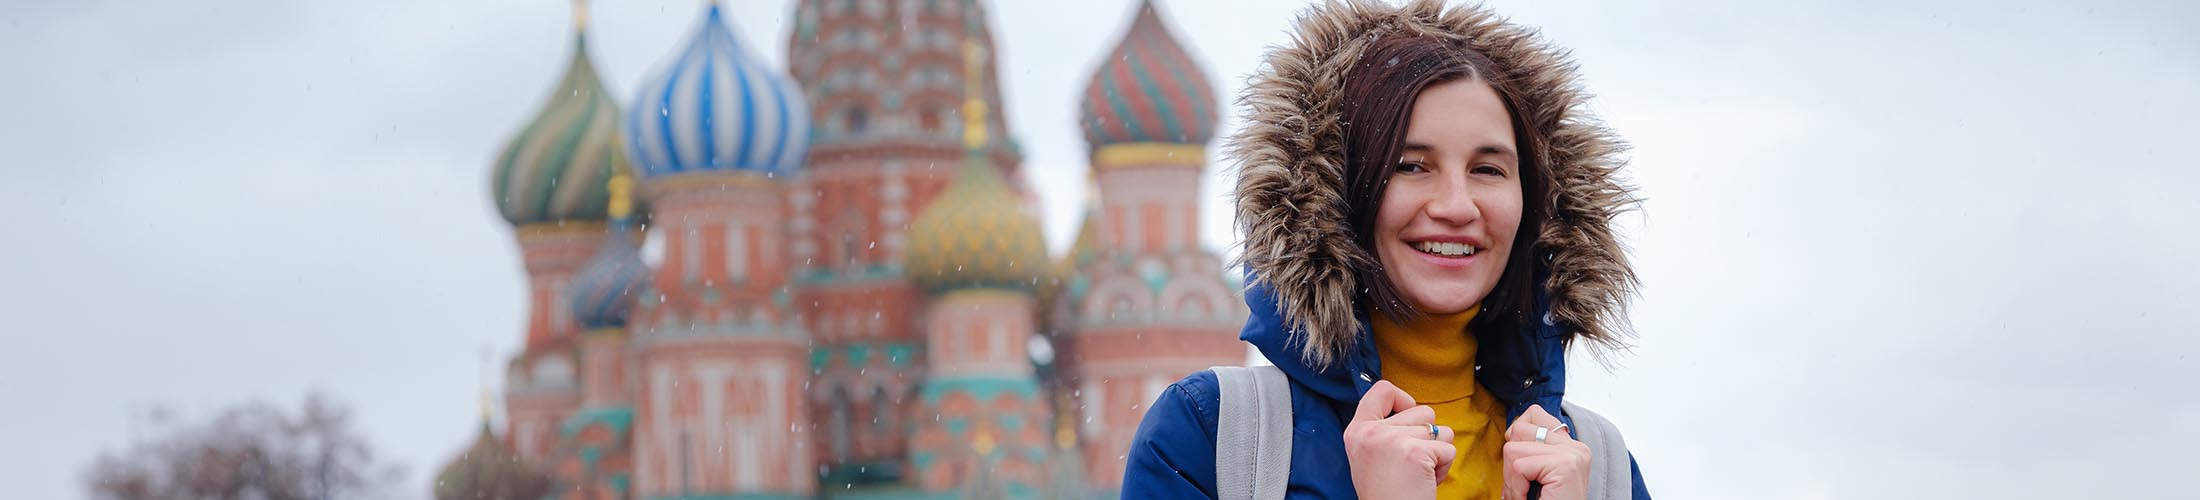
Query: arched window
(847, 250)
(929, 120)
(838, 425)
(553, 372)
(850, 229)
(855, 120)
(883, 411)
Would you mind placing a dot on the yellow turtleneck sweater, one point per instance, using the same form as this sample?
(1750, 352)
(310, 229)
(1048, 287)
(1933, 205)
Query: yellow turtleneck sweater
(1433, 360)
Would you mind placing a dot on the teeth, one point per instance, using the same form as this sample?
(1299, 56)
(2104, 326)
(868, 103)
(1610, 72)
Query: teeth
(1445, 248)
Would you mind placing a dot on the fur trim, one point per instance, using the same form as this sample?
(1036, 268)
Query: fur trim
(1290, 193)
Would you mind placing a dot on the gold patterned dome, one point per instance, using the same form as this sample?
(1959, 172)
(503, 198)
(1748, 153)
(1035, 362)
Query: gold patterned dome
(976, 234)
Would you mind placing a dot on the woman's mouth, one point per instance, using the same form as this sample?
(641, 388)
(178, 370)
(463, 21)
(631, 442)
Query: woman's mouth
(1444, 248)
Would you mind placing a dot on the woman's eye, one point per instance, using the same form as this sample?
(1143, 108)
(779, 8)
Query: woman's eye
(1410, 167)
(1488, 169)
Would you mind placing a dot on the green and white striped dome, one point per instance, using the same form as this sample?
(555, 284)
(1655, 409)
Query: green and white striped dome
(558, 166)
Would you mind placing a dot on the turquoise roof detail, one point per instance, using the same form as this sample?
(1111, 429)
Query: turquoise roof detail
(620, 418)
(982, 388)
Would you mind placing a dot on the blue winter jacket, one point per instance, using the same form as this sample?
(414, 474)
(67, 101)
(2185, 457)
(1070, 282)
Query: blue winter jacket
(1173, 455)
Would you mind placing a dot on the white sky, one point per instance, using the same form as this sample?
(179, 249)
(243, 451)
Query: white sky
(1891, 249)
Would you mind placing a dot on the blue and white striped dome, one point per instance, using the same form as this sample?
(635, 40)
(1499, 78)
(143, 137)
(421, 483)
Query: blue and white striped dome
(718, 108)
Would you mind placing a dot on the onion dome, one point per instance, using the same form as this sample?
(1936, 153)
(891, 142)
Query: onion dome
(717, 108)
(976, 234)
(489, 470)
(1148, 90)
(604, 290)
(555, 169)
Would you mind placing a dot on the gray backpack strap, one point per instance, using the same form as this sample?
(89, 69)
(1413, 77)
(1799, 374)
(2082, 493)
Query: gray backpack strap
(1253, 433)
(1610, 477)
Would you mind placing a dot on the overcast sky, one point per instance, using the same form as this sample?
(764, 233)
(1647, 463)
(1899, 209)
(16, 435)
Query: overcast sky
(1891, 249)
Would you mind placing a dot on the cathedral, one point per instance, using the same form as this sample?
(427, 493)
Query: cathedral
(846, 293)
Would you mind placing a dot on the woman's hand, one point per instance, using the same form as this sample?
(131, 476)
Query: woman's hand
(1393, 457)
(1560, 463)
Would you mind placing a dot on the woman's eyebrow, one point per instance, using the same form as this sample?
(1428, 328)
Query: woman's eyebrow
(1490, 149)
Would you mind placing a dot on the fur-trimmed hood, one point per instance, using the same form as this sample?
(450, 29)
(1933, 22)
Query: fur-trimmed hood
(1297, 242)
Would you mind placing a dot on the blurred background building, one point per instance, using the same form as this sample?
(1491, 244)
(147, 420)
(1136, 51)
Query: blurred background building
(828, 281)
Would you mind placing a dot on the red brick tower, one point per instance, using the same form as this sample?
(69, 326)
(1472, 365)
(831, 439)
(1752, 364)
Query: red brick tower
(550, 183)
(595, 445)
(977, 253)
(722, 358)
(886, 82)
(1144, 304)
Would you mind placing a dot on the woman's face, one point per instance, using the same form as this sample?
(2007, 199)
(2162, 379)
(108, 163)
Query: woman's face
(1452, 208)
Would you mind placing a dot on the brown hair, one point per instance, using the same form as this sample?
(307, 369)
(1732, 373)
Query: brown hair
(1377, 104)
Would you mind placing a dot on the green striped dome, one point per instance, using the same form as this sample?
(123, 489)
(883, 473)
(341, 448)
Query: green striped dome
(1148, 90)
(557, 168)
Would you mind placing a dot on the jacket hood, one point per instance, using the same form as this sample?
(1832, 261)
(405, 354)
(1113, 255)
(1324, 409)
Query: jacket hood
(1297, 242)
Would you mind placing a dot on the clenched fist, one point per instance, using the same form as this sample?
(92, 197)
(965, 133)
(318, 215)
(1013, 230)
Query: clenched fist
(1395, 449)
(1558, 462)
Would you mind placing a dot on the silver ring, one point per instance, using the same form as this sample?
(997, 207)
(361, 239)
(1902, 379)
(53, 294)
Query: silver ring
(1432, 432)
(1542, 433)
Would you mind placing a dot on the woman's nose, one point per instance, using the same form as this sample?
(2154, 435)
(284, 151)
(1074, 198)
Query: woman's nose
(1454, 203)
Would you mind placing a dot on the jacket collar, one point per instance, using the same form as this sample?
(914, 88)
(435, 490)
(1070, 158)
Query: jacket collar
(1522, 368)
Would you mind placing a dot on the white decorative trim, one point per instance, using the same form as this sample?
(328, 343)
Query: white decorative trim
(660, 438)
(691, 252)
(1094, 395)
(893, 188)
(1134, 226)
(561, 314)
(801, 203)
(525, 432)
(737, 252)
(760, 316)
(1177, 231)
(996, 332)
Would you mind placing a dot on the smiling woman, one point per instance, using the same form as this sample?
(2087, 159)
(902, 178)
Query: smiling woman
(1441, 218)
(1426, 218)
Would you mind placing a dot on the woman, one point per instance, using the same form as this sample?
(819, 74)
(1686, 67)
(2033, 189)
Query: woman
(1426, 219)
